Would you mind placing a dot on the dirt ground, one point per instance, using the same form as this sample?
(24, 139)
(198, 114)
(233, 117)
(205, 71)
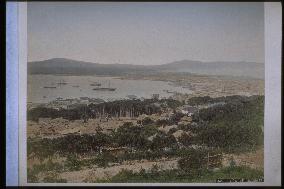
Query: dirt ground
(52, 128)
(91, 175)
(254, 160)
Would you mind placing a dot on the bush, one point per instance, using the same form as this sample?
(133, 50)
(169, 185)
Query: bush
(176, 117)
(185, 139)
(72, 163)
(163, 140)
(149, 130)
(183, 127)
(200, 100)
(178, 176)
(131, 136)
(173, 104)
(163, 122)
(147, 121)
(104, 159)
(194, 162)
(172, 130)
(236, 126)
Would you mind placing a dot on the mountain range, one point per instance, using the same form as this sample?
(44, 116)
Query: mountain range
(68, 66)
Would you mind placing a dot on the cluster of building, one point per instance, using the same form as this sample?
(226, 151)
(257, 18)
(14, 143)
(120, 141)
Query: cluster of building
(60, 103)
(73, 103)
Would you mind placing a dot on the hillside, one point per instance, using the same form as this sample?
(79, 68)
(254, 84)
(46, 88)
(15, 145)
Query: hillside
(246, 69)
(68, 66)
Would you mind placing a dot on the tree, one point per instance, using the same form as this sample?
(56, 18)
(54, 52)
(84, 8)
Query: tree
(131, 136)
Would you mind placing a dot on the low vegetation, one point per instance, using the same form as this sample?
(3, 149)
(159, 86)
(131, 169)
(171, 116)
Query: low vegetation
(180, 176)
(234, 126)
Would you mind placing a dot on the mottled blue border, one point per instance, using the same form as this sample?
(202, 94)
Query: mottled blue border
(12, 86)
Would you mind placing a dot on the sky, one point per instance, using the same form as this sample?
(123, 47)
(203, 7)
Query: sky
(144, 33)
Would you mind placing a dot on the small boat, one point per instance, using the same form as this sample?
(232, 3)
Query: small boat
(49, 87)
(168, 91)
(132, 97)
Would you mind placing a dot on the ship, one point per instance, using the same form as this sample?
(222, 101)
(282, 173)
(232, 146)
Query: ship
(62, 82)
(49, 87)
(104, 88)
(95, 84)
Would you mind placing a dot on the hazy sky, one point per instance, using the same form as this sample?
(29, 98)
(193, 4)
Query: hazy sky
(146, 33)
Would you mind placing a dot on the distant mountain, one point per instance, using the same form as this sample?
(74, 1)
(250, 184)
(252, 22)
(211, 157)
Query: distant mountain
(68, 66)
(245, 69)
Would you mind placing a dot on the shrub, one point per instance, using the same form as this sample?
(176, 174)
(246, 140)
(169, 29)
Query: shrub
(176, 117)
(185, 139)
(72, 163)
(163, 122)
(104, 159)
(183, 127)
(236, 126)
(172, 130)
(163, 140)
(149, 130)
(131, 136)
(147, 121)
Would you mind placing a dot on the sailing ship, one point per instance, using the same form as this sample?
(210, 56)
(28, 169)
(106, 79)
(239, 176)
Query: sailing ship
(104, 88)
(62, 82)
(95, 84)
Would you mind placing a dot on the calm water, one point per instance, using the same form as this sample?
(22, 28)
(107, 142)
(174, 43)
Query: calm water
(141, 88)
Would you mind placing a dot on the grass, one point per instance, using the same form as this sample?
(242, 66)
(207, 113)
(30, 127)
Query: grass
(54, 178)
(172, 176)
(49, 166)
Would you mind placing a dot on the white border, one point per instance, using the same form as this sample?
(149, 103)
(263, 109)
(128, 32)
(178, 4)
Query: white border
(22, 20)
(272, 129)
(272, 119)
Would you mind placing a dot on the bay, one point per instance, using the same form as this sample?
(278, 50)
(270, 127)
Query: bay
(80, 86)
